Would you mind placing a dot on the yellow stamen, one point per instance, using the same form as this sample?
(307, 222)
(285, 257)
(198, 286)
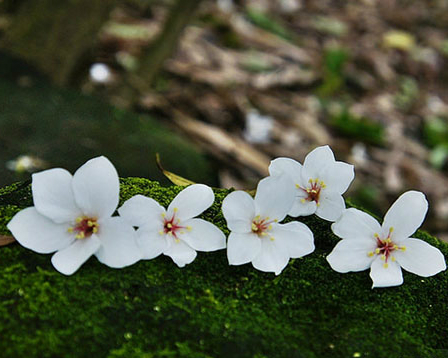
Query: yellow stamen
(376, 235)
(189, 228)
(270, 227)
(161, 232)
(90, 223)
(78, 220)
(370, 254)
(393, 259)
(377, 251)
(391, 229)
(80, 235)
(254, 227)
(302, 201)
(383, 257)
(163, 215)
(386, 265)
(297, 186)
(263, 234)
(95, 230)
(169, 225)
(272, 238)
(176, 241)
(70, 229)
(403, 248)
(175, 210)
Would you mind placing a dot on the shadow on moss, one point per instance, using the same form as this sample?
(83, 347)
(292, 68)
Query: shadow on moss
(211, 309)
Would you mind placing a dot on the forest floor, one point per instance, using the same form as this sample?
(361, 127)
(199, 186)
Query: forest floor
(258, 79)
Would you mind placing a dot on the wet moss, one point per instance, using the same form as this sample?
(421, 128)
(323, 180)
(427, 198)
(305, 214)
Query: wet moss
(211, 309)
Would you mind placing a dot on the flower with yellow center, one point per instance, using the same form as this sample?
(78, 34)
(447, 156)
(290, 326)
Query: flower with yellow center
(319, 183)
(175, 232)
(387, 248)
(256, 233)
(72, 215)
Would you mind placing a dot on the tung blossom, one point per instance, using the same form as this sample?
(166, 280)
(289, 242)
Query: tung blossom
(319, 183)
(387, 248)
(175, 232)
(256, 233)
(72, 215)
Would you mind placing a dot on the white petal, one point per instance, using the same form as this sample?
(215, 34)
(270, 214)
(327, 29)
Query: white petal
(287, 166)
(338, 177)
(242, 248)
(141, 210)
(96, 187)
(151, 242)
(191, 201)
(275, 196)
(420, 258)
(53, 195)
(295, 237)
(204, 236)
(181, 253)
(406, 215)
(352, 255)
(302, 209)
(38, 233)
(271, 258)
(70, 259)
(316, 162)
(355, 224)
(118, 243)
(331, 205)
(238, 209)
(385, 277)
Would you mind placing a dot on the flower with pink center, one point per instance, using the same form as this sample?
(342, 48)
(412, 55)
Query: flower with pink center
(256, 233)
(319, 183)
(387, 248)
(73, 216)
(174, 232)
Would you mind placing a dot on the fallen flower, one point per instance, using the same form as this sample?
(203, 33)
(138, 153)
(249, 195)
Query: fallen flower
(319, 183)
(256, 235)
(72, 215)
(174, 232)
(387, 248)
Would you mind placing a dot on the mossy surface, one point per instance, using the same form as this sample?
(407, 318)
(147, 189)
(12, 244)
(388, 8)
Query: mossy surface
(66, 128)
(211, 309)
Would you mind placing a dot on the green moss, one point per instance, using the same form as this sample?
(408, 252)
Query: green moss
(211, 309)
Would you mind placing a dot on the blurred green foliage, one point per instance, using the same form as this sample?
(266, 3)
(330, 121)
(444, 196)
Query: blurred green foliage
(334, 60)
(358, 128)
(407, 93)
(270, 24)
(435, 133)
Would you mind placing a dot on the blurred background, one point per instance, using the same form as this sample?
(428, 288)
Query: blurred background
(220, 87)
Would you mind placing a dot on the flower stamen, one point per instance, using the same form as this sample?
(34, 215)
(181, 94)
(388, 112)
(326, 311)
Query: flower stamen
(84, 227)
(312, 191)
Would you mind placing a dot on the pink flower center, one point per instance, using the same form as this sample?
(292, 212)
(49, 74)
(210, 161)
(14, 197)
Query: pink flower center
(172, 227)
(313, 190)
(262, 226)
(84, 227)
(385, 248)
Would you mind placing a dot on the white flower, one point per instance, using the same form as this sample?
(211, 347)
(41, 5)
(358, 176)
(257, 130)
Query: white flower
(256, 235)
(174, 232)
(388, 247)
(319, 183)
(72, 215)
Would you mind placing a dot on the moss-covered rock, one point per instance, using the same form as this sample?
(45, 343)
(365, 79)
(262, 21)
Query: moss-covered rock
(211, 309)
(66, 128)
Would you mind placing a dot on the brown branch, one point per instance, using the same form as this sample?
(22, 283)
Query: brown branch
(6, 240)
